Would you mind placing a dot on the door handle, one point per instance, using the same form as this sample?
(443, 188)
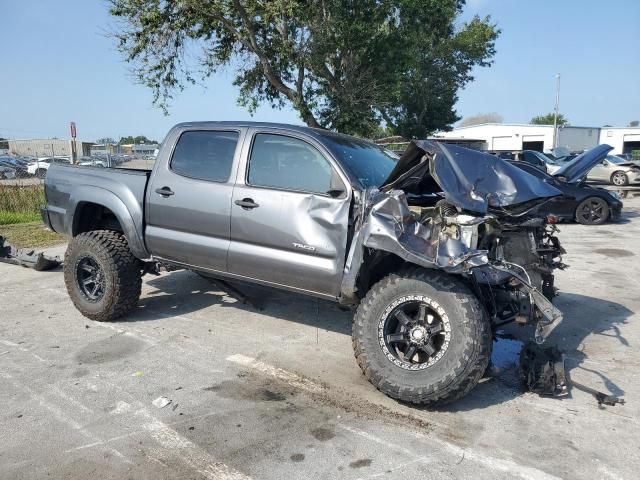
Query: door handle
(246, 203)
(164, 191)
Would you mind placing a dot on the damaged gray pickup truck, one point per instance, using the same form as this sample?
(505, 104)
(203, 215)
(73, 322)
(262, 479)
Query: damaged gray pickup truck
(436, 248)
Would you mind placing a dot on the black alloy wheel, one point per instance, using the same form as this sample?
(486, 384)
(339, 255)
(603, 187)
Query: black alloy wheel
(592, 211)
(413, 336)
(90, 278)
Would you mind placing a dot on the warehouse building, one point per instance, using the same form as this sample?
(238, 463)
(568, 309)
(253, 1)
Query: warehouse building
(500, 137)
(48, 148)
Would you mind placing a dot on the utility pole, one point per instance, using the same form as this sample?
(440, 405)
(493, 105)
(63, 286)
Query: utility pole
(555, 113)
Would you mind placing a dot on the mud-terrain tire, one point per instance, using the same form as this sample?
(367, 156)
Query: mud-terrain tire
(104, 254)
(465, 358)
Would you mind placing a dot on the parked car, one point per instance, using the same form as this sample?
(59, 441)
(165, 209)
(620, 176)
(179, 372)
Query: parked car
(581, 202)
(92, 162)
(535, 158)
(40, 166)
(327, 215)
(13, 163)
(7, 172)
(616, 171)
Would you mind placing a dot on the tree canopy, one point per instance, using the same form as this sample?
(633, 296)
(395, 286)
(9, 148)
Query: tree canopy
(346, 65)
(481, 118)
(137, 140)
(634, 123)
(548, 120)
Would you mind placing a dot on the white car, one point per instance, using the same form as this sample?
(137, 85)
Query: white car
(615, 170)
(40, 166)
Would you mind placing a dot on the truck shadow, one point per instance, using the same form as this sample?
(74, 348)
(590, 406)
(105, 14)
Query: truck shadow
(583, 316)
(183, 292)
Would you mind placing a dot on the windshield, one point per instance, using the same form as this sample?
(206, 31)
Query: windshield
(614, 159)
(370, 163)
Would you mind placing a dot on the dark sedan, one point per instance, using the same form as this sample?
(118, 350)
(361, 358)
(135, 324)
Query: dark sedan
(582, 203)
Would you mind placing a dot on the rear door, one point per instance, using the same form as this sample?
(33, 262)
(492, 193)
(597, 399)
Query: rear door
(189, 197)
(290, 214)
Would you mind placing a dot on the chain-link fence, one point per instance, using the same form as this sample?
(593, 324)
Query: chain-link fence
(20, 202)
(22, 175)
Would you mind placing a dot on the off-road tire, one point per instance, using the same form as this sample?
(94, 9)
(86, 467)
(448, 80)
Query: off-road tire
(122, 274)
(463, 363)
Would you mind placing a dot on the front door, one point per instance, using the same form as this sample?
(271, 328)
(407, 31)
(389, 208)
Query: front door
(601, 172)
(289, 215)
(189, 199)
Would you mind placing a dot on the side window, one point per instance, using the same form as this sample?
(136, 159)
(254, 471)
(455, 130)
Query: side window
(206, 155)
(290, 164)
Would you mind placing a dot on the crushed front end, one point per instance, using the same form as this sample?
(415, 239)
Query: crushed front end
(469, 214)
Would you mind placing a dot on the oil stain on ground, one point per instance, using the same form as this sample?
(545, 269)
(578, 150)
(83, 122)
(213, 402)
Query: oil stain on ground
(363, 462)
(323, 434)
(247, 390)
(109, 349)
(614, 252)
(297, 457)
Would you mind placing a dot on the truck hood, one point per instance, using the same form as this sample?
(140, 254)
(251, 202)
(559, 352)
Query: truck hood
(471, 180)
(575, 170)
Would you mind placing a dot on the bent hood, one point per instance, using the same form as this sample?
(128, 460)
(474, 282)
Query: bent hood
(576, 169)
(470, 179)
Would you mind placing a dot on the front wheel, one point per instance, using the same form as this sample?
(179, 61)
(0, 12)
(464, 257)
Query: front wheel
(592, 211)
(422, 337)
(101, 274)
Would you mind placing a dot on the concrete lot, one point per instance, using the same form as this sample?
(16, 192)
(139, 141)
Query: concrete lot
(276, 394)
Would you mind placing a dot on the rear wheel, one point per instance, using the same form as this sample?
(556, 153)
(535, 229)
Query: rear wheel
(619, 179)
(101, 274)
(421, 337)
(592, 211)
(41, 172)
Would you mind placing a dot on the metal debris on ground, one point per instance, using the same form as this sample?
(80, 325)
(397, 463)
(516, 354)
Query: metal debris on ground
(25, 257)
(543, 372)
(161, 402)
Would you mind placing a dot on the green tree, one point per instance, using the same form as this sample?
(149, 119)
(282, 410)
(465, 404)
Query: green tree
(634, 123)
(137, 140)
(344, 65)
(548, 120)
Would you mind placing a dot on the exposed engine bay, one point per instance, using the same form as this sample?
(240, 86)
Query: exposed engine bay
(474, 217)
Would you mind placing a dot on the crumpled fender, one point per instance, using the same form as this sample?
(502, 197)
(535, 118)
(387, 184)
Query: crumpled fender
(386, 223)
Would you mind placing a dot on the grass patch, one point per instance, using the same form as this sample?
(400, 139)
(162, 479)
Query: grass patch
(20, 203)
(8, 218)
(31, 235)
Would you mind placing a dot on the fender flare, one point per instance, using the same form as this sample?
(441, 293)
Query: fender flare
(129, 215)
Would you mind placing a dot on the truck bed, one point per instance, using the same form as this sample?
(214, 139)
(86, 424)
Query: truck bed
(68, 185)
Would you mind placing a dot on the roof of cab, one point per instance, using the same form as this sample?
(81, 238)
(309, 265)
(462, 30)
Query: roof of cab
(319, 133)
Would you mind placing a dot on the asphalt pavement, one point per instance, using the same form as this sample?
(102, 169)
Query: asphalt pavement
(195, 385)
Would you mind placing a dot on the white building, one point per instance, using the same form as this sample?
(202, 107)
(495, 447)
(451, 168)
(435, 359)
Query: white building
(622, 139)
(512, 137)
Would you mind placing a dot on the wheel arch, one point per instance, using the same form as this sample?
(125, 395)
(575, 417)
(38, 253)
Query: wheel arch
(95, 208)
(617, 172)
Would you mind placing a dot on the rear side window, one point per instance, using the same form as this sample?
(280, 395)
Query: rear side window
(290, 164)
(205, 155)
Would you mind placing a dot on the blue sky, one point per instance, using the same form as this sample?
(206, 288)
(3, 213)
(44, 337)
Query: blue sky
(58, 65)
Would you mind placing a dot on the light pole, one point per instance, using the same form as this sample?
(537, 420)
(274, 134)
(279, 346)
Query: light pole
(555, 113)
